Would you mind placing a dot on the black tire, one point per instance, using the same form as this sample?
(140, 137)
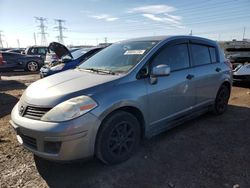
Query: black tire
(32, 66)
(118, 138)
(221, 101)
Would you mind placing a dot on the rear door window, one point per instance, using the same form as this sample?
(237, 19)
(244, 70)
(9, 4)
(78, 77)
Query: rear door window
(200, 54)
(175, 56)
(41, 51)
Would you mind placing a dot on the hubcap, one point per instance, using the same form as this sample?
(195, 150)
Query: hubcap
(121, 139)
(32, 66)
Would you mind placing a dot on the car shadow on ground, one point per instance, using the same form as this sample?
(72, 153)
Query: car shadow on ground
(17, 73)
(210, 151)
(6, 85)
(7, 102)
(242, 84)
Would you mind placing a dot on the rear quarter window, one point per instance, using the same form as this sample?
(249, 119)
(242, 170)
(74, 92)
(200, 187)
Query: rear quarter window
(213, 56)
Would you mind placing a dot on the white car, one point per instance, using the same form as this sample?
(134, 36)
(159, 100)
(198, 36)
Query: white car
(241, 72)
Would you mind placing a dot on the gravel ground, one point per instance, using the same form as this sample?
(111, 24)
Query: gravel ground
(211, 151)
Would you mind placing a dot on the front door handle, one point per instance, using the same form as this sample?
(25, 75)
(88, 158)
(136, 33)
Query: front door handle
(218, 69)
(189, 76)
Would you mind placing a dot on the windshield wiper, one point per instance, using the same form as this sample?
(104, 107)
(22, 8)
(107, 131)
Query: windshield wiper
(101, 71)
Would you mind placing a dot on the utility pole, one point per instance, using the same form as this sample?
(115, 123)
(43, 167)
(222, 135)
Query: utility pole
(35, 38)
(42, 30)
(60, 28)
(244, 31)
(18, 43)
(1, 40)
(191, 32)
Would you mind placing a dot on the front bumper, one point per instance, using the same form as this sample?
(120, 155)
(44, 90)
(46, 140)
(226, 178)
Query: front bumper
(44, 71)
(62, 141)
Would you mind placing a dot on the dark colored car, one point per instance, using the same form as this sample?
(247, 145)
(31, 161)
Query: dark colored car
(17, 50)
(37, 50)
(4, 49)
(67, 60)
(11, 61)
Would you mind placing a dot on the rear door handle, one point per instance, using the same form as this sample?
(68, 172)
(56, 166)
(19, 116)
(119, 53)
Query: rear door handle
(218, 69)
(189, 76)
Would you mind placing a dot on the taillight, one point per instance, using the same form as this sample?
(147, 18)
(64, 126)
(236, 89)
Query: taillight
(229, 64)
(1, 59)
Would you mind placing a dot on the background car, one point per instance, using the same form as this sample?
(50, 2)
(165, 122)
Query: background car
(241, 72)
(67, 60)
(11, 61)
(37, 50)
(17, 50)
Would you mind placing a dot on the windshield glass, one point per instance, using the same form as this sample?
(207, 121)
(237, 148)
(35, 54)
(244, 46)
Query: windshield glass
(119, 57)
(76, 54)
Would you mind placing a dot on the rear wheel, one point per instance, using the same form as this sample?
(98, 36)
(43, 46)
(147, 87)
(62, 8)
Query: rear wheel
(221, 101)
(118, 138)
(32, 66)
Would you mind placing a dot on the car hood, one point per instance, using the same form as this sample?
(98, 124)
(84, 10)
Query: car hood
(59, 49)
(65, 85)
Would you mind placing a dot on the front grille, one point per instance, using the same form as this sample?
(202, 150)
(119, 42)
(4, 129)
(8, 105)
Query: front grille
(35, 112)
(29, 141)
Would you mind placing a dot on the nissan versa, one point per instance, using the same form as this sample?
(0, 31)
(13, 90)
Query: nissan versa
(130, 90)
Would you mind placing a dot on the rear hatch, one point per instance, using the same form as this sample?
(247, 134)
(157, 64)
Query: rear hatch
(59, 49)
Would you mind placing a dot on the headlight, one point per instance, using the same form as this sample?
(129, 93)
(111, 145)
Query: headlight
(57, 67)
(70, 109)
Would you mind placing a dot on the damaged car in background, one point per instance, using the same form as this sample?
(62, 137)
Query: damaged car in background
(61, 58)
(238, 52)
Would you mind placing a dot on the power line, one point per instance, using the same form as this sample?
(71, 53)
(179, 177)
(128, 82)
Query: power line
(60, 28)
(42, 30)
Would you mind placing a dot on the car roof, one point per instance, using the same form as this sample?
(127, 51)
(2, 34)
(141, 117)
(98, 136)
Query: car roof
(165, 37)
(91, 48)
(37, 47)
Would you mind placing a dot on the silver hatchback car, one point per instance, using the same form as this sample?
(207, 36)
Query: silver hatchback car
(131, 90)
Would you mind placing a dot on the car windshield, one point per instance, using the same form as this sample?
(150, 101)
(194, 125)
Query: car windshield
(76, 54)
(119, 57)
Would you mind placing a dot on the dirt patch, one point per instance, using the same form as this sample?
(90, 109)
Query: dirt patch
(211, 151)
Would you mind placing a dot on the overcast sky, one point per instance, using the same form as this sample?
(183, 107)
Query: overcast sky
(90, 21)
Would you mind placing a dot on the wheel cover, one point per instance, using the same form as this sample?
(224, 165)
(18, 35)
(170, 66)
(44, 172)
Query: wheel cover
(121, 139)
(222, 100)
(32, 66)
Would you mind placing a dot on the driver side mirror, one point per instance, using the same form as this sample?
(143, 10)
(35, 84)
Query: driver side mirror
(157, 71)
(160, 70)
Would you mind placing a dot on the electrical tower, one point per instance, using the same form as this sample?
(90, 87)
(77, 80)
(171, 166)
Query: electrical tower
(42, 30)
(60, 28)
(1, 40)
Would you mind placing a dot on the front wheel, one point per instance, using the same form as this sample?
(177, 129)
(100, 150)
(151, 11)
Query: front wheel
(118, 138)
(221, 101)
(32, 66)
